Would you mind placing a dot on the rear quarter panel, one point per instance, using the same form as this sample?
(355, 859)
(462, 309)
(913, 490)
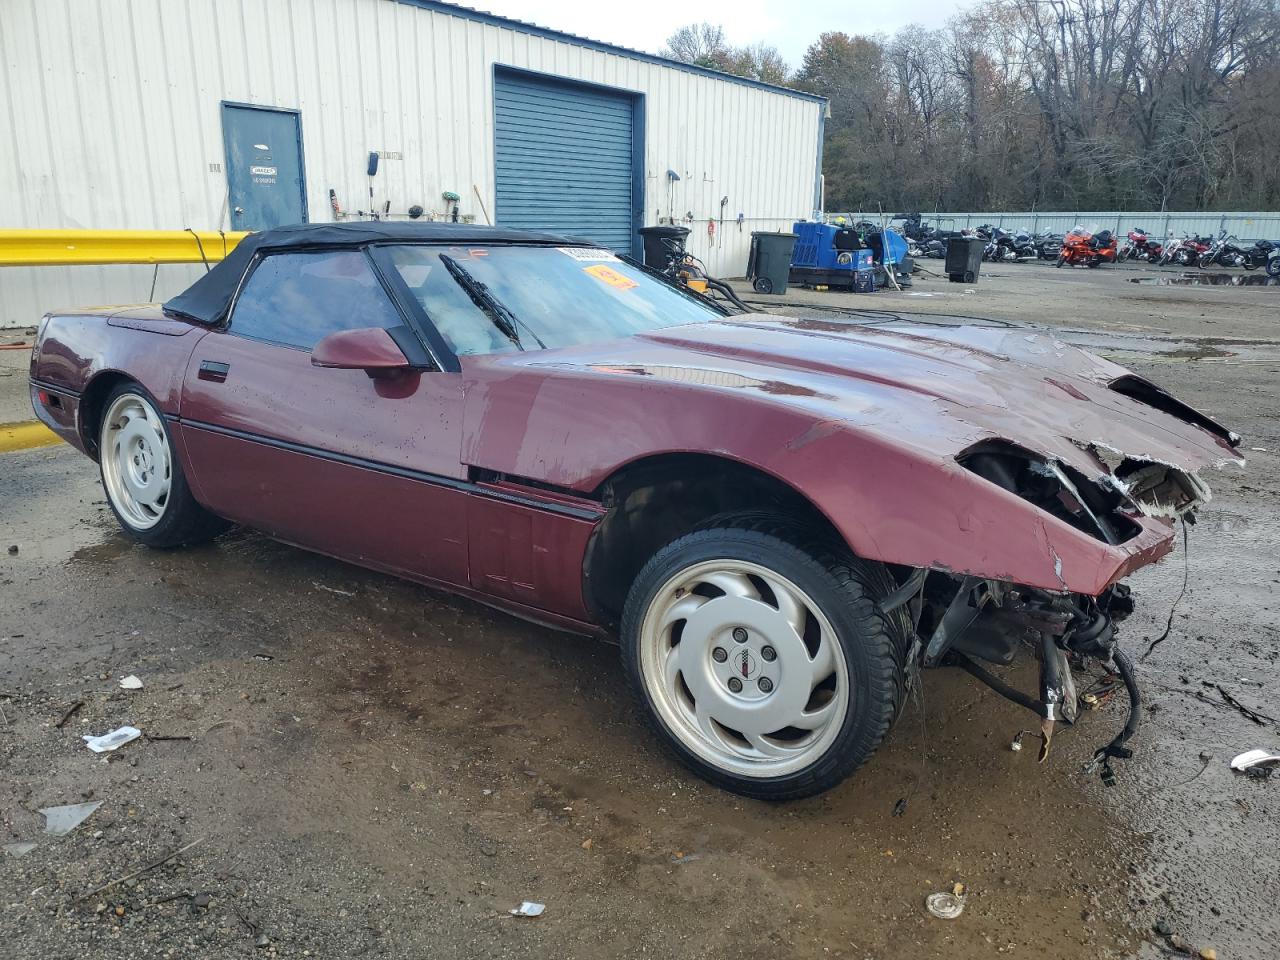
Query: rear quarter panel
(77, 352)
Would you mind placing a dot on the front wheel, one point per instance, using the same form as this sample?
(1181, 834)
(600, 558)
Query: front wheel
(1205, 261)
(1062, 258)
(1273, 267)
(768, 668)
(142, 477)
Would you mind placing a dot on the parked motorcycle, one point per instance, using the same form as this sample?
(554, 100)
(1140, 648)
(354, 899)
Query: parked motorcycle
(1047, 244)
(1259, 255)
(1086, 247)
(1184, 250)
(1223, 251)
(1139, 246)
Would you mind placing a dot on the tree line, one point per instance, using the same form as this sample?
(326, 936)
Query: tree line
(1051, 104)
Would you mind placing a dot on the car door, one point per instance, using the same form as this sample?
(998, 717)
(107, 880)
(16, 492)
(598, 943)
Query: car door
(334, 460)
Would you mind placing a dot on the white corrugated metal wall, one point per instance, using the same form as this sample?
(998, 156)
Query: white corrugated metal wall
(114, 117)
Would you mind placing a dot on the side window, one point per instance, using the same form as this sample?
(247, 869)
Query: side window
(297, 299)
(465, 327)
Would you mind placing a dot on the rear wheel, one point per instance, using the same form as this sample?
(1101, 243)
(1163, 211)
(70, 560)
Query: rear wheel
(763, 285)
(143, 479)
(767, 668)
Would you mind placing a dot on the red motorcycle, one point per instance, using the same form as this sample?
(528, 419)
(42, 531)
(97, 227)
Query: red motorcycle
(1090, 249)
(1139, 247)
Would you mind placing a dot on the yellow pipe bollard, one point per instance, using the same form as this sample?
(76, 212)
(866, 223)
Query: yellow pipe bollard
(61, 248)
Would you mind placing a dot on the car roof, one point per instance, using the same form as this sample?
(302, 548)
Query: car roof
(209, 298)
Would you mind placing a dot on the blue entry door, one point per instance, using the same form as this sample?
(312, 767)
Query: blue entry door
(265, 185)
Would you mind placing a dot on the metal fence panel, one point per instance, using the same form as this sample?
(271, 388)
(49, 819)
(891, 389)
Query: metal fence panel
(1248, 226)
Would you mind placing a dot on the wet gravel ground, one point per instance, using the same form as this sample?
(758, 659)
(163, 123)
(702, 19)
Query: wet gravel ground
(374, 769)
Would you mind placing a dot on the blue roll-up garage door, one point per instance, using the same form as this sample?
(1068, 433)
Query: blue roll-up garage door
(563, 157)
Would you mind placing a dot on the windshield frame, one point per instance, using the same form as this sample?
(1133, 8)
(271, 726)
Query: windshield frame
(443, 353)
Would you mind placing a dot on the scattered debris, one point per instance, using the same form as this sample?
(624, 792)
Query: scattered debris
(529, 909)
(1251, 759)
(681, 857)
(341, 593)
(19, 849)
(64, 819)
(587, 844)
(264, 657)
(158, 737)
(945, 906)
(109, 741)
(141, 870)
(1016, 745)
(262, 941)
(130, 682)
(900, 807)
(13, 549)
(67, 716)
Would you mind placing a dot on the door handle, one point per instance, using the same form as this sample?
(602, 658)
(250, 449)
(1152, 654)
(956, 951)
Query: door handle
(213, 371)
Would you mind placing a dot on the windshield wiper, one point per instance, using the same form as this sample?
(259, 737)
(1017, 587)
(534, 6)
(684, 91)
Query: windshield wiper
(483, 298)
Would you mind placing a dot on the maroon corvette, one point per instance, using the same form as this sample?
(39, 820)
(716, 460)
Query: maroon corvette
(781, 519)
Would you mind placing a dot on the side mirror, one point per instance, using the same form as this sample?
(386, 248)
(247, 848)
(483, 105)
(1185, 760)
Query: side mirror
(370, 349)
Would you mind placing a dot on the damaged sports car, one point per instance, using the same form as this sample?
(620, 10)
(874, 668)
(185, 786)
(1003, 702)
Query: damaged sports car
(782, 520)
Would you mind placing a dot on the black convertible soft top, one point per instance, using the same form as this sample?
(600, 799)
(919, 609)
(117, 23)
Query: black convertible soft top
(209, 298)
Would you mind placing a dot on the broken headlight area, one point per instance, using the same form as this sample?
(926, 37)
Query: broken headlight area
(964, 621)
(1103, 507)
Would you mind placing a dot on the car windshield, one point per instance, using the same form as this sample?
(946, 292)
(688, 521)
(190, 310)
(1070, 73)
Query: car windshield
(556, 296)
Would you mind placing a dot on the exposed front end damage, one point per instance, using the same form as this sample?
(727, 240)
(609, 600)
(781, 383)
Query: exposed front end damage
(964, 620)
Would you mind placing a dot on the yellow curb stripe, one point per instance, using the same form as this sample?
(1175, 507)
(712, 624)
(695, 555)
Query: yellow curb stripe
(26, 436)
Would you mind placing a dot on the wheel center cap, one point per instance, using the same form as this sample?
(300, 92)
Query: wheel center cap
(745, 664)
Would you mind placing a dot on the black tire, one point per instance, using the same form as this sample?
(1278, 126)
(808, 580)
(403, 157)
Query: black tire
(1062, 258)
(183, 521)
(1095, 262)
(845, 588)
(763, 285)
(1273, 267)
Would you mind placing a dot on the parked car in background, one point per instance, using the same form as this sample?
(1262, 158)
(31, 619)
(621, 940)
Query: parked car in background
(780, 519)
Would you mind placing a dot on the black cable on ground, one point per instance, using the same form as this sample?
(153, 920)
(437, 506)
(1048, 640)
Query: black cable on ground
(1186, 572)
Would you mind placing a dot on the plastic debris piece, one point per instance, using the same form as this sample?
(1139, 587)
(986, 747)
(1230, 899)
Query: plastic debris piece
(130, 683)
(109, 741)
(19, 849)
(60, 820)
(681, 857)
(944, 906)
(1254, 758)
(529, 909)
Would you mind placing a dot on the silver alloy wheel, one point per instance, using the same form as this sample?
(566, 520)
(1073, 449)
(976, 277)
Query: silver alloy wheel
(137, 465)
(744, 668)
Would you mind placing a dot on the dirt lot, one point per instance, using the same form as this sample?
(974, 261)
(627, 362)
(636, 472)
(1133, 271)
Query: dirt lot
(374, 769)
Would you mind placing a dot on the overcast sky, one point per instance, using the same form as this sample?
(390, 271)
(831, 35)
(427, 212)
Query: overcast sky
(789, 25)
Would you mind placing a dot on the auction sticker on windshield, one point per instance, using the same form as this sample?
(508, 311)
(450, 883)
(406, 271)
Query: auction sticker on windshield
(610, 276)
(587, 254)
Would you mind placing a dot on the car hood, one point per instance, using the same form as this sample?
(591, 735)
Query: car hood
(937, 388)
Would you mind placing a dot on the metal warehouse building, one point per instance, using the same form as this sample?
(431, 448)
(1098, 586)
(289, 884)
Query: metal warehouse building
(243, 114)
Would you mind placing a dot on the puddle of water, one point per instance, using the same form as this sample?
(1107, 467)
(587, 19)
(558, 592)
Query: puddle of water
(1210, 280)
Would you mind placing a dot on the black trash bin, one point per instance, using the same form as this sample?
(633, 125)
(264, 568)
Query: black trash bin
(769, 263)
(662, 243)
(964, 258)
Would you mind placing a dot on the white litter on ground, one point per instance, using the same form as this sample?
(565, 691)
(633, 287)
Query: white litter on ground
(109, 741)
